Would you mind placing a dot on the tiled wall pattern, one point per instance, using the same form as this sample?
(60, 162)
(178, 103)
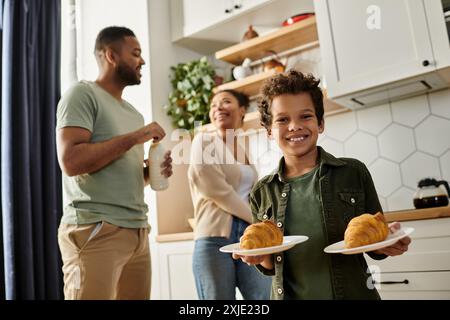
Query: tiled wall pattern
(400, 142)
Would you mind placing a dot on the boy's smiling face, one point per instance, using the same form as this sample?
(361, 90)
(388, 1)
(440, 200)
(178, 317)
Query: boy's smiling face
(294, 124)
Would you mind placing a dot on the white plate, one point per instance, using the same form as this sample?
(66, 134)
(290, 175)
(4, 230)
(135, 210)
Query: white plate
(288, 242)
(392, 238)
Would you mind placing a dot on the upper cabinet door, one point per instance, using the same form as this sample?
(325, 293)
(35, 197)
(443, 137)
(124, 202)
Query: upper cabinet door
(365, 43)
(192, 16)
(200, 14)
(439, 33)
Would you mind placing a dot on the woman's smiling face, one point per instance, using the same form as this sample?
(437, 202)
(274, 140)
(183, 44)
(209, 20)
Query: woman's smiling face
(225, 112)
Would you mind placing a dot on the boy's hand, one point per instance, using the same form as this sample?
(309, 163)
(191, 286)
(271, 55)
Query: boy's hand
(250, 260)
(398, 248)
(265, 260)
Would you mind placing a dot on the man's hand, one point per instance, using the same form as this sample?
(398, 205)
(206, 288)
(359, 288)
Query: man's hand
(150, 131)
(167, 165)
(398, 248)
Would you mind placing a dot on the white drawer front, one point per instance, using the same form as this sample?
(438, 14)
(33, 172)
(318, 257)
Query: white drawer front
(429, 228)
(420, 285)
(436, 260)
(415, 295)
(428, 251)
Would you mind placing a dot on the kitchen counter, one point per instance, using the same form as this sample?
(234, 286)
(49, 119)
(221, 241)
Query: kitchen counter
(418, 214)
(182, 236)
(402, 215)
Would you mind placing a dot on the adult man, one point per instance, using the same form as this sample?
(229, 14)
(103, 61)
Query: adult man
(103, 235)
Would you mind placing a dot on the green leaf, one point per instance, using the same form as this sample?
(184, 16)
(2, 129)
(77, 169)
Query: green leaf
(192, 81)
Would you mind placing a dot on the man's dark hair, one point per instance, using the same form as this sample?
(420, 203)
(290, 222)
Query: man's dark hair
(111, 35)
(291, 82)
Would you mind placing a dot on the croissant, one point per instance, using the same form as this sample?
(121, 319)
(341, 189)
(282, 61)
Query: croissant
(261, 235)
(365, 229)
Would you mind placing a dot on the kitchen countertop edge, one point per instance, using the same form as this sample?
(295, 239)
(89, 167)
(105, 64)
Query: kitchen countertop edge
(401, 215)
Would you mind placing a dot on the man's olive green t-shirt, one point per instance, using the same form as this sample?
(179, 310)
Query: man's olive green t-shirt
(115, 193)
(306, 273)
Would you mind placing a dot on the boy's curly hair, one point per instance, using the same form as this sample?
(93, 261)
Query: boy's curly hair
(291, 82)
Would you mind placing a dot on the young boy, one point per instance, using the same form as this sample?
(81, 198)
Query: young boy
(314, 194)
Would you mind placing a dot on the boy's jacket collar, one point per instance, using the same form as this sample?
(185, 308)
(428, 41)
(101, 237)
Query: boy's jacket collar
(324, 159)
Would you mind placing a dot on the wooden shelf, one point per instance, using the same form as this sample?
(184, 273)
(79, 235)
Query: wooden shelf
(252, 84)
(249, 85)
(288, 37)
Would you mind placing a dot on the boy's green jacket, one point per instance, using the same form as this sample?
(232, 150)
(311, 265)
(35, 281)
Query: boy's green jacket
(346, 191)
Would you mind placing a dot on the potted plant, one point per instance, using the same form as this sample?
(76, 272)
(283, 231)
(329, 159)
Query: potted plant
(192, 88)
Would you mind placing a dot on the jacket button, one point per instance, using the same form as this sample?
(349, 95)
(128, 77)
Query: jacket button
(280, 291)
(352, 200)
(284, 195)
(279, 258)
(279, 224)
(265, 217)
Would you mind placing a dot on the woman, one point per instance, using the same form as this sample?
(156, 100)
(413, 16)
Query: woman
(220, 178)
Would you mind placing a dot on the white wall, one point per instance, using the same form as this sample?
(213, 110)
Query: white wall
(96, 15)
(401, 143)
(163, 54)
(150, 21)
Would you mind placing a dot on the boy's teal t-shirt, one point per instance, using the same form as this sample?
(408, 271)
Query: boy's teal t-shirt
(306, 271)
(115, 193)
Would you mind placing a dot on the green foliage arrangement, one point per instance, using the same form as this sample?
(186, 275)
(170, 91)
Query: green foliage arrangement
(192, 85)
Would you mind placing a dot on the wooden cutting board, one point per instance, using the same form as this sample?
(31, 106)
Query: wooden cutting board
(418, 214)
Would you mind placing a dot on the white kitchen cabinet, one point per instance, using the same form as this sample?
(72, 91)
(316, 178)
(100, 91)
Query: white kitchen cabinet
(369, 47)
(423, 272)
(191, 16)
(200, 14)
(208, 26)
(176, 279)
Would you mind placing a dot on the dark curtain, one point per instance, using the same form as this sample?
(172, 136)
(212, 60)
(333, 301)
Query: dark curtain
(2, 270)
(30, 175)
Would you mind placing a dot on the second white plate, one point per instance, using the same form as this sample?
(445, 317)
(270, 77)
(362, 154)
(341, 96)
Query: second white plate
(339, 247)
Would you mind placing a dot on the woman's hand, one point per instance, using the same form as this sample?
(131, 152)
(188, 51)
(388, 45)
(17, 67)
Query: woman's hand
(398, 248)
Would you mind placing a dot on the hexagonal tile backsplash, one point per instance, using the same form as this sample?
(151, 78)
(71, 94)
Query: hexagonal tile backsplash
(413, 142)
(400, 143)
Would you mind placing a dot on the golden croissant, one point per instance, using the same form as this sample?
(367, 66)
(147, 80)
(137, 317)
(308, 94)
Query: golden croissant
(366, 229)
(261, 235)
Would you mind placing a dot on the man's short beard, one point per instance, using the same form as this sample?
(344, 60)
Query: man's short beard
(127, 75)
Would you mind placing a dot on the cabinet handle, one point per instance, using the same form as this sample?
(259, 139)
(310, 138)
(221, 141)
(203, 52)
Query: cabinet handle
(238, 6)
(228, 10)
(406, 281)
(425, 63)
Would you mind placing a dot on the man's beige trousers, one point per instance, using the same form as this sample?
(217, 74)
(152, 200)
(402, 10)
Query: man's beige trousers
(104, 261)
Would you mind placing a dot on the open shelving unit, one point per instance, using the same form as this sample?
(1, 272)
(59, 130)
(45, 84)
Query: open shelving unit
(297, 35)
(251, 85)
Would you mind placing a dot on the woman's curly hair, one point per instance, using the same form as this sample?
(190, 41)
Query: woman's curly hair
(291, 82)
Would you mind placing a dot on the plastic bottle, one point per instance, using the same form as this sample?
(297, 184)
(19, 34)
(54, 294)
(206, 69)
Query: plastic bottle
(158, 181)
